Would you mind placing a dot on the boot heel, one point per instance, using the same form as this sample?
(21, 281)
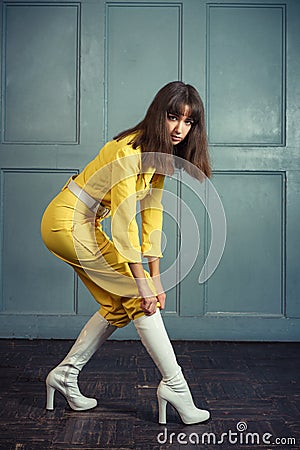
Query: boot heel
(50, 397)
(162, 410)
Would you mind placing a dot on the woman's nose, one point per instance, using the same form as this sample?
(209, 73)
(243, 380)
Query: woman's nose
(178, 127)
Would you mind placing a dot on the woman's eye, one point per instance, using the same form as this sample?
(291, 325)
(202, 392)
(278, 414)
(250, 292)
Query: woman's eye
(189, 122)
(172, 117)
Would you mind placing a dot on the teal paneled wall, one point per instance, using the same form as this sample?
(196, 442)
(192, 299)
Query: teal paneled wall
(40, 73)
(143, 53)
(246, 74)
(30, 273)
(250, 278)
(75, 73)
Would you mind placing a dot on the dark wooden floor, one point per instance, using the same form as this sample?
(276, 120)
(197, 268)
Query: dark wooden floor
(244, 385)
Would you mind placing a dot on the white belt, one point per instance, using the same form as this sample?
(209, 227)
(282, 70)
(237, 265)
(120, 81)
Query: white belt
(94, 205)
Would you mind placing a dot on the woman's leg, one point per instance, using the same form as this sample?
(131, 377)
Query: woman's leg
(103, 323)
(64, 377)
(93, 256)
(88, 264)
(173, 388)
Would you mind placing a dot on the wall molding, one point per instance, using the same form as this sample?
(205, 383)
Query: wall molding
(130, 5)
(5, 8)
(4, 198)
(244, 6)
(283, 184)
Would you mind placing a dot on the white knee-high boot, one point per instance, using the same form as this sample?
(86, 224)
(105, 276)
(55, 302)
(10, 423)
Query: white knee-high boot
(63, 378)
(173, 388)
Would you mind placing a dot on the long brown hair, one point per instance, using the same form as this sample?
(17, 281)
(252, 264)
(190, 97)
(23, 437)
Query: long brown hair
(152, 137)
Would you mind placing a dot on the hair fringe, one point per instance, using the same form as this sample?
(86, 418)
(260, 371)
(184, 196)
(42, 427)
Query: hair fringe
(152, 137)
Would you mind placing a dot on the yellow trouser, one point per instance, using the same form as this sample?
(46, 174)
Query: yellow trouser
(70, 231)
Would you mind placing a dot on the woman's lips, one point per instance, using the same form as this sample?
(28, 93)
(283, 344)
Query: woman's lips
(176, 138)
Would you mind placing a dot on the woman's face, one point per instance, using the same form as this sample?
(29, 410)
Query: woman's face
(178, 125)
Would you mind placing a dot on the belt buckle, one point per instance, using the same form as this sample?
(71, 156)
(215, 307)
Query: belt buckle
(102, 211)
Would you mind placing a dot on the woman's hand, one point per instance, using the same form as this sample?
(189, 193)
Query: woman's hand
(161, 296)
(149, 300)
(149, 305)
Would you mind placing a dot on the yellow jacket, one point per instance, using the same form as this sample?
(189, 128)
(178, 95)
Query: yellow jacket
(115, 178)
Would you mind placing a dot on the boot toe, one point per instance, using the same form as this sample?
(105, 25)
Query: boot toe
(202, 415)
(88, 403)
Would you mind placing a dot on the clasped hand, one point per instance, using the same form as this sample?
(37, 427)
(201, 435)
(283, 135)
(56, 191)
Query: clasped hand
(150, 289)
(150, 302)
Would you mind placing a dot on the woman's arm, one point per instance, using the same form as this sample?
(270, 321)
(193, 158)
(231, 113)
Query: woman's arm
(154, 268)
(149, 300)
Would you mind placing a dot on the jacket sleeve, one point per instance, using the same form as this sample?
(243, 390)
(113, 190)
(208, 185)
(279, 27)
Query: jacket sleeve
(152, 219)
(125, 233)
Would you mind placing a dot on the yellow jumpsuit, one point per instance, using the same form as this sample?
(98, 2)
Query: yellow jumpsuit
(74, 233)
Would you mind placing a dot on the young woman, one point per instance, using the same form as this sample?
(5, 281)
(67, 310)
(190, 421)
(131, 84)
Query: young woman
(128, 169)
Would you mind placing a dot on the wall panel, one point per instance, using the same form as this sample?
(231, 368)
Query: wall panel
(246, 74)
(250, 277)
(26, 263)
(292, 247)
(191, 293)
(40, 73)
(144, 44)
